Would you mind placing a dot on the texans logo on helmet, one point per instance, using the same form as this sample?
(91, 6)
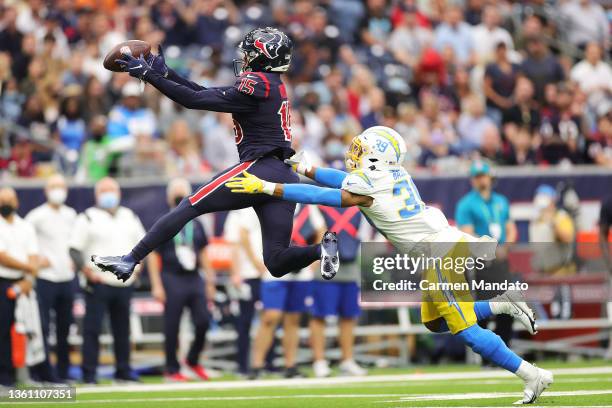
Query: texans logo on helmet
(269, 47)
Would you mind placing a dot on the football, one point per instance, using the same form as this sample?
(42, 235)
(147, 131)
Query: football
(133, 47)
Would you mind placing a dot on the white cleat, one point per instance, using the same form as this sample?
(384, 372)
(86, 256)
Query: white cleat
(514, 305)
(321, 369)
(330, 260)
(351, 368)
(534, 388)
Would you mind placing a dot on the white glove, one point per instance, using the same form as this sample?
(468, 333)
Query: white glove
(301, 162)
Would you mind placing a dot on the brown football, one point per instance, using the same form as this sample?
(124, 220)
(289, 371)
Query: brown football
(133, 47)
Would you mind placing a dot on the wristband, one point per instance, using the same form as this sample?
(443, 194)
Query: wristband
(268, 187)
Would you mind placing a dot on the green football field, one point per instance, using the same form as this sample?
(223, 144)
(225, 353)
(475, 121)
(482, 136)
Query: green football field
(582, 384)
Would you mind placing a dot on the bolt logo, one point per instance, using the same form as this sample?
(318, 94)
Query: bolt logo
(269, 47)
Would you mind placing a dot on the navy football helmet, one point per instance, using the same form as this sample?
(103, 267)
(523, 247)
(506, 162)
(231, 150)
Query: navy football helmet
(264, 50)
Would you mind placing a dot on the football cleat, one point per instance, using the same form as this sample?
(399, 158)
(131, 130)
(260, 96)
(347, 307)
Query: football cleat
(534, 388)
(515, 306)
(117, 265)
(330, 261)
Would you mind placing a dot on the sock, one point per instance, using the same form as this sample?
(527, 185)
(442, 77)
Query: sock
(491, 347)
(526, 371)
(483, 310)
(128, 258)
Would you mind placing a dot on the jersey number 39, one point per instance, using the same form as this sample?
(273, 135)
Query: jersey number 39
(405, 190)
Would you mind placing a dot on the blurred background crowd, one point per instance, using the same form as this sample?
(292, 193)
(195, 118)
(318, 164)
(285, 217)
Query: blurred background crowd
(516, 82)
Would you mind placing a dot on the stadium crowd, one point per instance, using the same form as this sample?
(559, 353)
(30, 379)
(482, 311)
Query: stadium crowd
(515, 82)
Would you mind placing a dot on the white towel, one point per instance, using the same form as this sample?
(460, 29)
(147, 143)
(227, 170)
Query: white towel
(27, 321)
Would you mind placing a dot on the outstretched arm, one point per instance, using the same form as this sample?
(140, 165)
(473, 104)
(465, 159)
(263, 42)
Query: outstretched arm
(299, 193)
(329, 177)
(225, 99)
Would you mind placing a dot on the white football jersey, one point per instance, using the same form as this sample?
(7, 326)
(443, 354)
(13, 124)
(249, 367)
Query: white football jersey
(398, 211)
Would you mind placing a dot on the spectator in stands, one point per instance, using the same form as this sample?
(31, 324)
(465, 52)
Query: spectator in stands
(175, 272)
(554, 228)
(243, 232)
(599, 147)
(499, 83)
(409, 39)
(210, 19)
(53, 222)
(18, 269)
(284, 299)
(592, 75)
(375, 26)
(541, 67)
(130, 119)
(218, 140)
(483, 211)
(523, 112)
(472, 123)
(97, 154)
(520, 150)
(71, 129)
(182, 157)
(488, 35)
(456, 35)
(561, 130)
(340, 297)
(106, 227)
(491, 145)
(585, 21)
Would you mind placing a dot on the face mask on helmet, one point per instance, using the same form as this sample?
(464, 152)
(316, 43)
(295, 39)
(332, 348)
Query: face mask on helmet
(376, 148)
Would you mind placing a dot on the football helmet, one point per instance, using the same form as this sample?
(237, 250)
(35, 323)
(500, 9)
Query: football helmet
(376, 148)
(264, 50)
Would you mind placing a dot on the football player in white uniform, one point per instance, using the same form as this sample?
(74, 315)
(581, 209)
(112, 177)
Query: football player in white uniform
(387, 196)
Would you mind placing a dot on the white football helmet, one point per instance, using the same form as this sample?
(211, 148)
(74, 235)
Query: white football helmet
(376, 148)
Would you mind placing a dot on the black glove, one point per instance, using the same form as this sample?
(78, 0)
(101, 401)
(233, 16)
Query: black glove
(136, 67)
(158, 62)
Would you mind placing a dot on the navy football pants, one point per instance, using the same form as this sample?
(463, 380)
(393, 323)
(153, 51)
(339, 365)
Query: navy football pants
(275, 216)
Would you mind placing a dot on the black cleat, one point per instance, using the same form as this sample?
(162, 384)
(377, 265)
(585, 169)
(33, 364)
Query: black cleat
(330, 261)
(116, 265)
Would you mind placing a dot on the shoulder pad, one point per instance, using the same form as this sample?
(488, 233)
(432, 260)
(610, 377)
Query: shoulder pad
(358, 182)
(254, 84)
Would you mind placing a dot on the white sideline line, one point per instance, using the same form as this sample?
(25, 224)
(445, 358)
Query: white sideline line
(225, 385)
(491, 395)
(402, 397)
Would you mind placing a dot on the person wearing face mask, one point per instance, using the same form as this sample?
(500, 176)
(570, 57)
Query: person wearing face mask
(176, 281)
(107, 226)
(554, 228)
(53, 222)
(18, 268)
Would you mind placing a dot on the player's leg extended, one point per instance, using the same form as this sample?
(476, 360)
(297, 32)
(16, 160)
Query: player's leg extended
(276, 220)
(212, 196)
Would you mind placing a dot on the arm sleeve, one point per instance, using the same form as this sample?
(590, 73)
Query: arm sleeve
(174, 77)
(462, 214)
(225, 99)
(308, 194)
(330, 177)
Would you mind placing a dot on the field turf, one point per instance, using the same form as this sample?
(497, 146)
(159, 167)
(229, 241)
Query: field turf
(582, 384)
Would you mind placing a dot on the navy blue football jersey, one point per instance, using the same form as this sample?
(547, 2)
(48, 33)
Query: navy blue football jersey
(267, 129)
(258, 104)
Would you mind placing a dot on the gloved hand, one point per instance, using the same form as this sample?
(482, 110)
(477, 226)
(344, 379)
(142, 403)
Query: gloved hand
(250, 184)
(301, 162)
(136, 67)
(158, 62)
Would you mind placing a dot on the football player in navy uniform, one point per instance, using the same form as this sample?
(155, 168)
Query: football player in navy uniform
(260, 109)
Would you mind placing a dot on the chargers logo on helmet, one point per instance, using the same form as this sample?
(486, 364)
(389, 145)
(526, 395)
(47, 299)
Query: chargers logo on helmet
(376, 148)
